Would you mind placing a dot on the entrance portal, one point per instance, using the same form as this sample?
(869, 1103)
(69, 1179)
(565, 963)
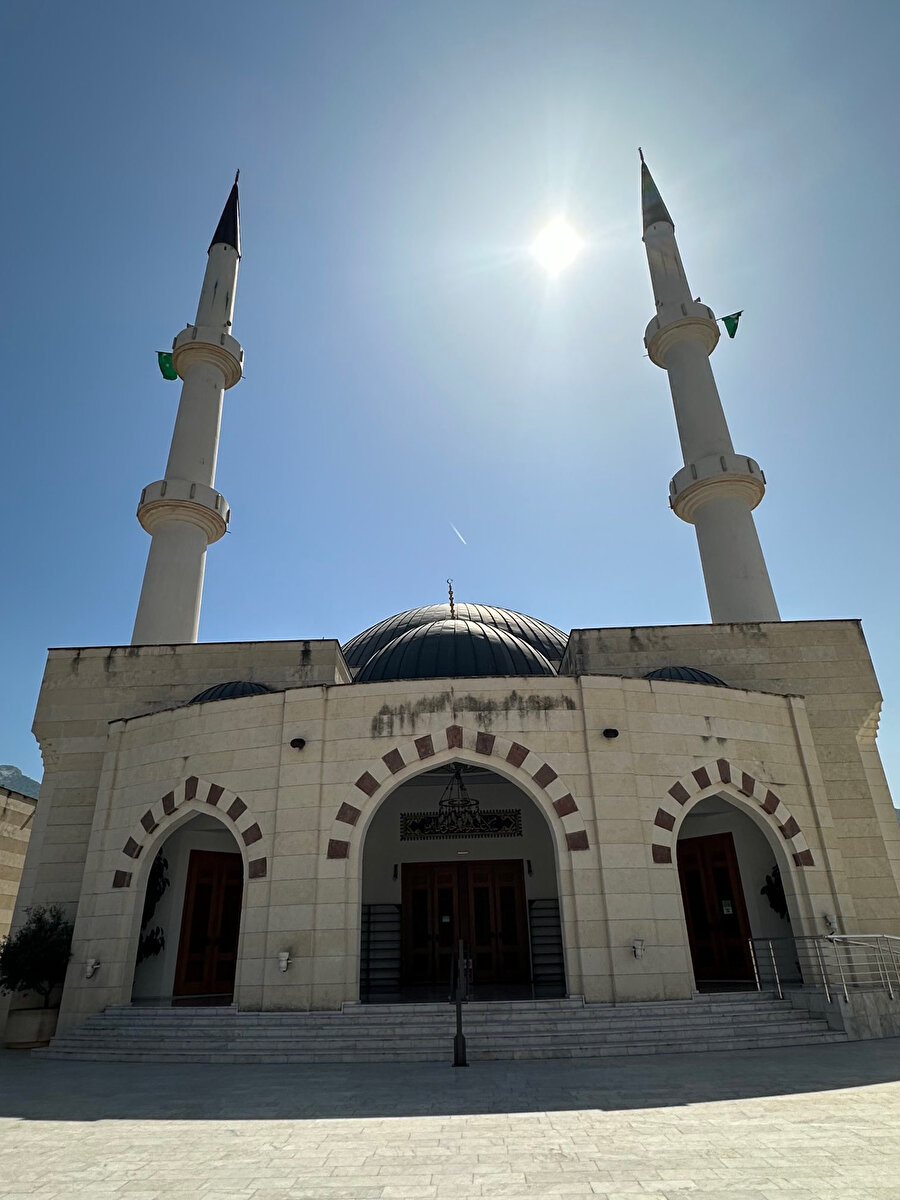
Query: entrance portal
(733, 891)
(459, 853)
(187, 949)
(210, 922)
(480, 903)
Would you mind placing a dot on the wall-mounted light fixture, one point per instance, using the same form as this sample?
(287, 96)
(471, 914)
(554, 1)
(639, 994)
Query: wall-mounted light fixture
(91, 967)
(284, 959)
(610, 733)
(298, 743)
(528, 867)
(830, 922)
(396, 872)
(637, 947)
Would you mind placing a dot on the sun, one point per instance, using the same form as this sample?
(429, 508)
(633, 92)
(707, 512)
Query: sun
(557, 246)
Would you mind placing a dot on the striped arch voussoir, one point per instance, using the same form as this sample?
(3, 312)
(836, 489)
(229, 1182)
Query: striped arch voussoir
(455, 737)
(712, 777)
(197, 793)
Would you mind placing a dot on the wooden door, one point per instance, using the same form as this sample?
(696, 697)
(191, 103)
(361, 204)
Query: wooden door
(497, 932)
(431, 925)
(715, 911)
(210, 922)
(481, 902)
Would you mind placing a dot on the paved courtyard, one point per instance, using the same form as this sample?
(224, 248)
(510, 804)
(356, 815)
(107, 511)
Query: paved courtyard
(817, 1122)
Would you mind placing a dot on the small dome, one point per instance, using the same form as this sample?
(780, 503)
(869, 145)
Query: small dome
(685, 675)
(454, 649)
(230, 691)
(548, 640)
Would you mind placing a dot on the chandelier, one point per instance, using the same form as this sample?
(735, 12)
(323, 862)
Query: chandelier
(459, 815)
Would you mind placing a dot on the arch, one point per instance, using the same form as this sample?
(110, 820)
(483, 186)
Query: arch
(193, 795)
(191, 819)
(512, 759)
(721, 776)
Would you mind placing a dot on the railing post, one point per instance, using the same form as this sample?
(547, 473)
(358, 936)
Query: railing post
(840, 967)
(775, 971)
(885, 976)
(890, 946)
(755, 968)
(459, 1041)
(821, 962)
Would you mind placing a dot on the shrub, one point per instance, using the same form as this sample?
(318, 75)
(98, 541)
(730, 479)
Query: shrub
(35, 957)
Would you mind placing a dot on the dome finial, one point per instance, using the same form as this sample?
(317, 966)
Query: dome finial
(452, 601)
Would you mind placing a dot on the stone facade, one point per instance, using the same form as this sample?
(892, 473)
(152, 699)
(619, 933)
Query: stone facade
(16, 818)
(612, 761)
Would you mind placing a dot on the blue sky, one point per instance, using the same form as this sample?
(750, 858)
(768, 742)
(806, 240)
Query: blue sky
(407, 364)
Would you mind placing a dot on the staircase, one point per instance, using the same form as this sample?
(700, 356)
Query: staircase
(548, 968)
(379, 965)
(536, 1029)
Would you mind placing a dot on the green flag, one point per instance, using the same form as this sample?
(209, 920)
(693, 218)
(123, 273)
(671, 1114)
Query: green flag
(731, 322)
(167, 367)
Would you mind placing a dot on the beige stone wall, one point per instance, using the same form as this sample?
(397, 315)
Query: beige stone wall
(303, 814)
(84, 689)
(827, 663)
(16, 817)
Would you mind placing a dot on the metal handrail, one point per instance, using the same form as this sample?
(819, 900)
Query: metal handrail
(834, 962)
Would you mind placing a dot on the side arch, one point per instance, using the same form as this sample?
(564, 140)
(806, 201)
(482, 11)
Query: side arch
(195, 795)
(512, 759)
(722, 776)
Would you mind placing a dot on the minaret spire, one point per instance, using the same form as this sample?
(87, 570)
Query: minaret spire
(183, 512)
(716, 490)
(651, 201)
(228, 230)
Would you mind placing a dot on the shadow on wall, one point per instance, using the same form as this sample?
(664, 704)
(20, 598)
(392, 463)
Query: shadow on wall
(33, 1089)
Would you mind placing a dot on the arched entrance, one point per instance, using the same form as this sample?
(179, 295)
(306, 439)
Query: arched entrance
(190, 924)
(733, 890)
(459, 853)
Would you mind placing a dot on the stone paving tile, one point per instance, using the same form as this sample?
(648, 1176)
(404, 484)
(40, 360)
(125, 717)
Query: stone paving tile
(801, 1123)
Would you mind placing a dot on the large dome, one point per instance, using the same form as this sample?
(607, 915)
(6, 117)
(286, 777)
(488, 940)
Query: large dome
(546, 639)
(454, 648)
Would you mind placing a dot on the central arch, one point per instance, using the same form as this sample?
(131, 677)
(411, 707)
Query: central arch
(459, 852)
(511, 759)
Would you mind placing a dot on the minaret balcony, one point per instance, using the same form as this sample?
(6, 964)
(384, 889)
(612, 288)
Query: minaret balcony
(212, 347)
(716, 477)
(688, 321)
(181, 500)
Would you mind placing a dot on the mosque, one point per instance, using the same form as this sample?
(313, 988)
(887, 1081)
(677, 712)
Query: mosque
(614, 814)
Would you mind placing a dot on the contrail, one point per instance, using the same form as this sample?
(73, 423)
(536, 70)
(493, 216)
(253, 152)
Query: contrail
(458, 534)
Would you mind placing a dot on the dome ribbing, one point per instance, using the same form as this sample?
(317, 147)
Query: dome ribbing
(230, 691)
(454, 649)
(544, 638)
(685, 675)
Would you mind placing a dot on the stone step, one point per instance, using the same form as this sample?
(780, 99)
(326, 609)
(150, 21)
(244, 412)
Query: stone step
(385, 1016)
(443, 1053)
(302, 1028)
(565, 1029)
(352, 1036)
(288, 1045)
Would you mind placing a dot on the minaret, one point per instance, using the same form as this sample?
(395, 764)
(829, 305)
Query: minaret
(716, 490)
(183, 513)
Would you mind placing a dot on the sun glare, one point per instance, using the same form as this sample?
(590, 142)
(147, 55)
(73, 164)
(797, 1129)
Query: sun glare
(557, 246)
